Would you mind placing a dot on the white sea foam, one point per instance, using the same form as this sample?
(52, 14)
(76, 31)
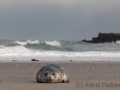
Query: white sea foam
(118, 41)
(22, 53)
(27, 42)
(17, 50)
(53, 43)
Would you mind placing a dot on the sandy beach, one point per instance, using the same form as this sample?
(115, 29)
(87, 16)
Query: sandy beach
(83, 76)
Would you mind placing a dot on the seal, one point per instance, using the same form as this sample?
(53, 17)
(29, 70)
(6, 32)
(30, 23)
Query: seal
(52, 73)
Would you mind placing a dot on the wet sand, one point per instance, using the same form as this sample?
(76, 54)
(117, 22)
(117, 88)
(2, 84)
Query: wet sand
(83, 76)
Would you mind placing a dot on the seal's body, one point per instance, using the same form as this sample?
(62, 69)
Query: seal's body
(52, 73)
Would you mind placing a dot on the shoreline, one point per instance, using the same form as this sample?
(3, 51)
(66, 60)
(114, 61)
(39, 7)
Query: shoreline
(22, 75)
(102, 60)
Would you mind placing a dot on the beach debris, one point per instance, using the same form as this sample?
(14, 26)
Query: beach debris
(17, 65)
(71, 60)
(14, 60)
(34, 60)
(88, 66)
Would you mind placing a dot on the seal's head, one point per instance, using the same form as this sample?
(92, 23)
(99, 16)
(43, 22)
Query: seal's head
(49, 76)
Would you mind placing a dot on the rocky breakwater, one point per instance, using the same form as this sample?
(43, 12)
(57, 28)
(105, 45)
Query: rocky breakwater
(104, 37)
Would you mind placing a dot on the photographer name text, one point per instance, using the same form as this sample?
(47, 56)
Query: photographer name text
(97, 85)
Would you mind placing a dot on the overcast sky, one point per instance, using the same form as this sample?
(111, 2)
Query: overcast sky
(58, 19)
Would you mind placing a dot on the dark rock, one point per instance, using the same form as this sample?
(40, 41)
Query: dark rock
(14, 60)
(104, 37)
(34, 60)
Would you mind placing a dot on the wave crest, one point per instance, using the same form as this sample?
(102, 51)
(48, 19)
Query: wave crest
(118, 41)
(53, 43)
(27, 42)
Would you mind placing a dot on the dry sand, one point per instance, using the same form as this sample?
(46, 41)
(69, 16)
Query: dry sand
(83, 76)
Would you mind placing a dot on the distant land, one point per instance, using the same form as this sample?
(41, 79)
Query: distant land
(104, 37)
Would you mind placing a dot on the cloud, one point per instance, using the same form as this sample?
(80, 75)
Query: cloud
(56, 18)
(85, 5)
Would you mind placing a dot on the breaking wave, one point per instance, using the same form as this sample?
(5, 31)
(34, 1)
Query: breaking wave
(51, 43)
(27, 42)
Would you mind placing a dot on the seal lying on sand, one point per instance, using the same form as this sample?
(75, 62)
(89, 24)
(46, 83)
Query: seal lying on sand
(52, 73)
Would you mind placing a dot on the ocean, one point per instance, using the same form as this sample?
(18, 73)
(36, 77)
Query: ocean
(58, 50)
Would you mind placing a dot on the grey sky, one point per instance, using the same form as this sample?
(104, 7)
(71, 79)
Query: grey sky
(58, 19)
